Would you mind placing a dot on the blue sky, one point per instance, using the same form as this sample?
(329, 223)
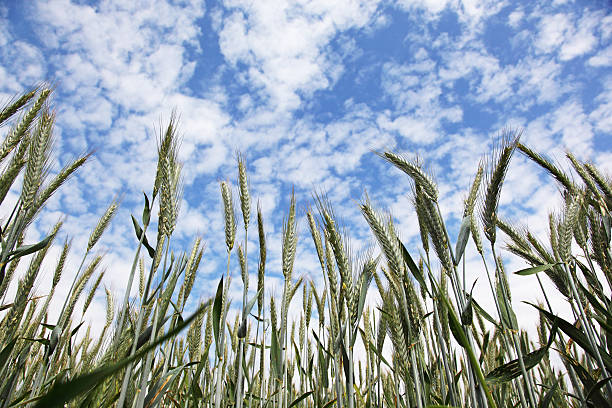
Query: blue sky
(306, 90)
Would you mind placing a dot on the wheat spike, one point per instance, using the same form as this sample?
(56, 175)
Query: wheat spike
(38, 159)
(419, 199)
(110, 308)
(471, 199)
(161, 239)
(245, 198)
(21, 129)
(171, 189)
(164, 146)
(243, 269)
(498, 166)
(194, 338)
(102, 225)
(273, 316)
(11, 269)
(13, 169)
(78, 289)
(59, 179)
(14, 105)
(335, 240)
(475, 233)
(518, 238)
(228, 211)
(566, 225)
(316, 237)
(387, 242)
(320, 302)
(581, 225)
(436, 230)
(584, 174)
(544, 162)
(261, 269)
(604, 184)
(308, 308)
(60, 263)
(289, 241)
(302, 329)
(413, 170)
(141, 277)
(26, 284)
(191, 268)
(208, 331)
(92, 292)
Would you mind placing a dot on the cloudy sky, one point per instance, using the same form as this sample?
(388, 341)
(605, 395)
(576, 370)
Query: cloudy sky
(306, 90)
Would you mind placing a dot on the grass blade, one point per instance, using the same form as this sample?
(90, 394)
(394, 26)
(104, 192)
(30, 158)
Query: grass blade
(536, 269)
(216, 320)
(512, 370)
(462, 239)
(300, 398)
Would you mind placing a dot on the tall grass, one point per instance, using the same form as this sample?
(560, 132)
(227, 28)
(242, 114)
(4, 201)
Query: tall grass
(427, 341)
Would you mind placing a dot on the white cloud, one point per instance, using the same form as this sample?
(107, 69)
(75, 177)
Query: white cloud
(460, 64)
(191, 223)
(285, 44)
(571, 37)
(541, 77)
(470, 12)
(553, 29)
(410, 92)
(602, 58)
(604, 162)
(82, 116)
(571, 121)
(514, 18)
(566, 128)
(415, 130)
(476, 10)
(606, 27)
(25, 65)
(582, 39)
(601, 116)
(165, 65)
(433, 6)
(462, 162)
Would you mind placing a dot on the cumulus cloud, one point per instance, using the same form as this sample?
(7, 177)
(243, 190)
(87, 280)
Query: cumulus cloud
(569, 35)
(285, 44)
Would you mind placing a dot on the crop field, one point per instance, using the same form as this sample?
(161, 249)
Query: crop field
(426, 342)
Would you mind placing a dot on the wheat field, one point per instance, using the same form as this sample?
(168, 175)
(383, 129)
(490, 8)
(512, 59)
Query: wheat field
(445, 349)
